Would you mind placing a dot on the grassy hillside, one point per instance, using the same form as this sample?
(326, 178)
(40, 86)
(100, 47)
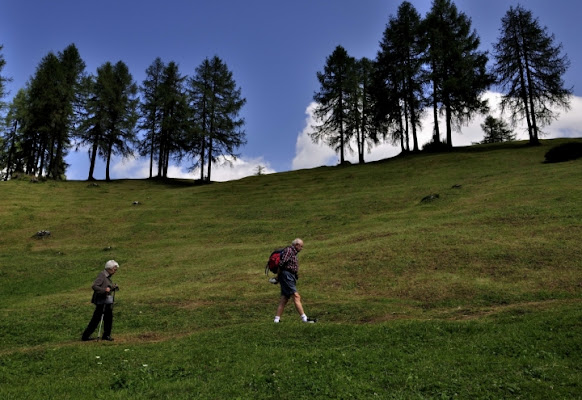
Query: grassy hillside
(474, 294)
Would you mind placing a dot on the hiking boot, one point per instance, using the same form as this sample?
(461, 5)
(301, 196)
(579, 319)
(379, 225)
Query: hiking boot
(86, 339)
(108, 338)
(310, 320)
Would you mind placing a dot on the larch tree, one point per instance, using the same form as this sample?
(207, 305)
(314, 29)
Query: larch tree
(333, 101)
(175, 117)
(4, 143)
(496, 130)
(151, 111)
(111, 114)
(216, 102)
(400, 61)
(360, 124)
(3, 79)
(52, 97)
(530, 67)
(457, 68)
(12, 158)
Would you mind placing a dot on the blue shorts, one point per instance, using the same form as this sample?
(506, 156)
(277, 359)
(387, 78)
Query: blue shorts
(287, 281)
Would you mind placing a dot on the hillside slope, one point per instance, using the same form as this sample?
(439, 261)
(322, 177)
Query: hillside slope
(501, 239)
(505, 228)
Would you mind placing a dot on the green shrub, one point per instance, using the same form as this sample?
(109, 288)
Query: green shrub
(564, 152)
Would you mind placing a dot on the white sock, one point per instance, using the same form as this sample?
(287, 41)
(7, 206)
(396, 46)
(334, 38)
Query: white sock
(304, 317)
(277, 319)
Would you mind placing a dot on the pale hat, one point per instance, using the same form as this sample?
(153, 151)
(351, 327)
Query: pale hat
(111, 264)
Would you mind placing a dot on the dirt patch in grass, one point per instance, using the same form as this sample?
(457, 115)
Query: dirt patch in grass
(474, 313)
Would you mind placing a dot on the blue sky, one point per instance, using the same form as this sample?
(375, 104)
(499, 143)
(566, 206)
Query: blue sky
(274, 50)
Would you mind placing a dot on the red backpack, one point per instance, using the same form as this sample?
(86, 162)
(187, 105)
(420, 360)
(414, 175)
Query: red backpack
(273, 262)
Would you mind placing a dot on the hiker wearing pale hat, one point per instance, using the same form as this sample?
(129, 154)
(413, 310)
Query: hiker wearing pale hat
(103, 297)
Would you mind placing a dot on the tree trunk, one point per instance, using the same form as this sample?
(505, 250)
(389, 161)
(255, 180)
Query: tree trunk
(109, 151)
(56, 162)
(534, 139)
(342, 139)
(436, 136)
(406, 139)
(202, 155)
(166, 163)
(449, 117)
(93, 160)
(152, 154)
(51, 159)
(42, 161)
(12, 144)
(209, 159)
(401, 129)
(361, 144)
(413, 121)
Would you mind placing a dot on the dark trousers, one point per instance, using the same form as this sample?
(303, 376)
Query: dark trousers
(100, 309)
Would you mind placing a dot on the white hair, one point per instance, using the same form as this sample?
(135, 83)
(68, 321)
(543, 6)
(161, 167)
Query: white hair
(296, 242)
(111, 264)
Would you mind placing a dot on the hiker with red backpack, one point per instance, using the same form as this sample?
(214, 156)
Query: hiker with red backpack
(287, 275)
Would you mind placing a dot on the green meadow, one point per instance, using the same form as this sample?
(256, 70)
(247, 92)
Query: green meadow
(475, 294)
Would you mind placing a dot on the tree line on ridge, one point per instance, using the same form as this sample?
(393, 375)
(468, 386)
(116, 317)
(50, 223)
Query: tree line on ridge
(424, 65)
(434, 65)
(180, 117)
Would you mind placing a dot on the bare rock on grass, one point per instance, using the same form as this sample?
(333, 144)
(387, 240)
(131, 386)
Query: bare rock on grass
(41, 234)
(430, 198)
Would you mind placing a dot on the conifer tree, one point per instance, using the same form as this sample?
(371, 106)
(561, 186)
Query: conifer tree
(360, 124)
(12, 157)
(91, 131)
(496, 130)
(151, 111)
(175, 116)
(111, 114)
(457, 68)
(51, 105)
(530, 66)
(216, 102)
(3, 79)
(4, 142)
(400, 74)
(200, 97)
(333, 101)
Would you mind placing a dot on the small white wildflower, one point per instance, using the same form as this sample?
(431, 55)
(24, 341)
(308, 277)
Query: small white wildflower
(126, 350)
(97, 356)
(145, 365)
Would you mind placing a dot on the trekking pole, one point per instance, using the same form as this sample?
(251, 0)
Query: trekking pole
(101, 323)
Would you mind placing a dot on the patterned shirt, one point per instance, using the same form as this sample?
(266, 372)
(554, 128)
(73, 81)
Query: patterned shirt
(289, 260)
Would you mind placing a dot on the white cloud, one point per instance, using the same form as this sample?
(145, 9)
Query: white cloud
(132, 168)
(569, 123)
(138, 168)
(307, 153)
(310, 155)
